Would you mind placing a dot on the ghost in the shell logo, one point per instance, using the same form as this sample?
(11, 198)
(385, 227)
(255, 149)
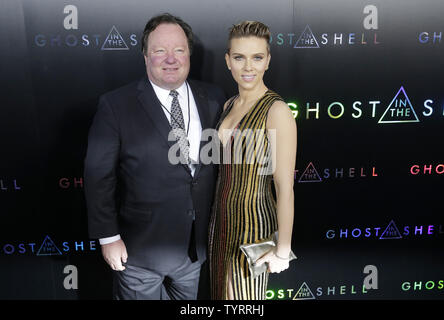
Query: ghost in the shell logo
(433, 37)
(112, 40)
(47, 247)
(388, 232)
(70, 182)
(422, 285)
(9, 185)
(427, 169)
(308, 39)
(305, 292)
(312, 174)
(400, 109)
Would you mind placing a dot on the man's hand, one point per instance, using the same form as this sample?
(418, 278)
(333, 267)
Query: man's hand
(114, 254)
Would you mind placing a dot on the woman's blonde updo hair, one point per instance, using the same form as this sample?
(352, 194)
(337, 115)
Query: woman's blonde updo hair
(249, 29)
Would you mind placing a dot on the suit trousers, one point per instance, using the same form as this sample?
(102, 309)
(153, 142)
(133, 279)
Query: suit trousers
(137, 283)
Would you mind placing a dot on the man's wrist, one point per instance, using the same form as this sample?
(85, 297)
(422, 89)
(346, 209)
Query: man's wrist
(109, 240)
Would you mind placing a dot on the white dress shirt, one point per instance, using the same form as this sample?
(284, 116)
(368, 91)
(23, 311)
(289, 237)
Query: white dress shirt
(195, 129)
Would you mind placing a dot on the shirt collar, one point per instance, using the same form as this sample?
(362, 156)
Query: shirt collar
(164, 94)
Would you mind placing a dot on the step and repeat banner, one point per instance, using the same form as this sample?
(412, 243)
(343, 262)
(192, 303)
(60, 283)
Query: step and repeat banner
(364, 82)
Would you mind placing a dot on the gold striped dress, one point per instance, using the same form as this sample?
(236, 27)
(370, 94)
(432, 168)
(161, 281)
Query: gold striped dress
(244, 209)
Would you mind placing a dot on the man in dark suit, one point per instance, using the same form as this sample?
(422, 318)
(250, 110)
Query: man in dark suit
(149, 213)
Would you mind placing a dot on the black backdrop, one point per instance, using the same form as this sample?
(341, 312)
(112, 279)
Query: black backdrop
(364, 79)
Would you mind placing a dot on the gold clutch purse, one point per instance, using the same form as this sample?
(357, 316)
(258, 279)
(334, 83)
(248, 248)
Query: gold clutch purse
(253, 251)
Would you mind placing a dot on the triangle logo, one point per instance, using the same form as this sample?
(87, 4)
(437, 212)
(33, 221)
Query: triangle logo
(304, 293)
(391, 232)
(310, 174)
(293, 109)
(48, 248)
(114, 41)
(306, 40)
(399, 110)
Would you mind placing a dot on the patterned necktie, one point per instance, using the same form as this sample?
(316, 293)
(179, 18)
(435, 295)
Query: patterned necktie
(178, 125)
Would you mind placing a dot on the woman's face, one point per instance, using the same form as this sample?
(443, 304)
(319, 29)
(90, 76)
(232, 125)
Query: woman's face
(248, 59)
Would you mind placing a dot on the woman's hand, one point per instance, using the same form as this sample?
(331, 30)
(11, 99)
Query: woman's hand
(275, 264)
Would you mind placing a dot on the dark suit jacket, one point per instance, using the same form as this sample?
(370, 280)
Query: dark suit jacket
(132, 189)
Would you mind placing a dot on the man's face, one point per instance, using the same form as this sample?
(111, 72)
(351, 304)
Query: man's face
(167, 58)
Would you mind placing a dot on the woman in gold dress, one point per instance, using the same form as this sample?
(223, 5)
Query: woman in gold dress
(245, 209)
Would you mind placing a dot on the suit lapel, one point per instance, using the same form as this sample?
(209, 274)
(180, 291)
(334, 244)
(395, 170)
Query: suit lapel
(153, 109)
(201, 99)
